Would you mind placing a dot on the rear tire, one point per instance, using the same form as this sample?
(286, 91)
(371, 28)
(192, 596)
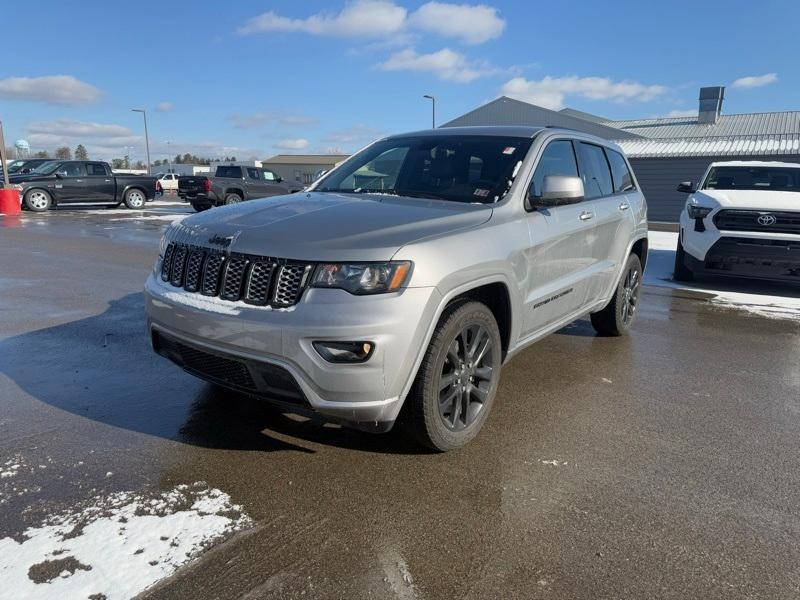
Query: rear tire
(457, 381)
(37, 200)
(681, 272)
(200, 207)
(233, 198)
(618, 316)
(135, 199)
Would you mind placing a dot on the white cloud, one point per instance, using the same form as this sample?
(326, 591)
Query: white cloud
(690, 112)
(755, 81)
(550, 92)
(360, 18)
(70, 127)
(356, 133)
(291, 144)
(259, 119)
(470, 24)
(63, 90)
(446, 64)
(164, 106)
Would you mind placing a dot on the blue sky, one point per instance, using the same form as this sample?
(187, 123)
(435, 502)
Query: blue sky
(255, 78)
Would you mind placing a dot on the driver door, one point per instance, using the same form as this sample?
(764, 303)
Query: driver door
(559, 261)
(70, 184)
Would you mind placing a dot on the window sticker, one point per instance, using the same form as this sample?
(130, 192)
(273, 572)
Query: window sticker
(509, 150)
(481, 193)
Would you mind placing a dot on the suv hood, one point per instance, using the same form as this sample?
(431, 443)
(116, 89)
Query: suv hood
(754, 199)
(324, 226)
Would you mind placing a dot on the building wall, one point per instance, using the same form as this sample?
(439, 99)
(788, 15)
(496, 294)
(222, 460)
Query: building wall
(302, 173)
(658, 178)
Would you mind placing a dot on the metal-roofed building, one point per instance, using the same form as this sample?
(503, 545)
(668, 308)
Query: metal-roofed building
(302, 168)
(666, 151)
(508, 111)
(671, 150)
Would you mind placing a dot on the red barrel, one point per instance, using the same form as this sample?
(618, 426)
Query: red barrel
(9, 202)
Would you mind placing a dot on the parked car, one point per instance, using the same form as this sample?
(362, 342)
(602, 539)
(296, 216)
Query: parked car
(742, 220)
(168, 181)
(397, 286)
(81, 181)
(232, 184)
(24, 165)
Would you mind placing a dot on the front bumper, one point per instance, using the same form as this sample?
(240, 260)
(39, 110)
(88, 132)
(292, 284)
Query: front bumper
(267, 340)
(758, 258)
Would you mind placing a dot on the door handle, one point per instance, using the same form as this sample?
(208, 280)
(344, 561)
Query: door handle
(108, 181)
(79, 181)
(624, 206)
(586, 215)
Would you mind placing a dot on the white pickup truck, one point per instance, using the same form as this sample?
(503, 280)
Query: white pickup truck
(743, 220)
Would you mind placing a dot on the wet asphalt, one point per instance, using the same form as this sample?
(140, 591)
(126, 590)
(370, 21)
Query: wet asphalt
(662, 465)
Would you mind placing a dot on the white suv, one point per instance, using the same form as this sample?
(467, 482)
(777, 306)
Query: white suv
(742, 220)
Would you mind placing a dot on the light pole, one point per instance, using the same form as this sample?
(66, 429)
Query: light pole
(169, 158)
(146, 137)
(433, 109)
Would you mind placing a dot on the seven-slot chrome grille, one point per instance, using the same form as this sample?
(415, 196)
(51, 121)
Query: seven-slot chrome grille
(256, 280)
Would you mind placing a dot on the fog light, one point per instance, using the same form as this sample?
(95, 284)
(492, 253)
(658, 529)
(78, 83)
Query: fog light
(345, 352)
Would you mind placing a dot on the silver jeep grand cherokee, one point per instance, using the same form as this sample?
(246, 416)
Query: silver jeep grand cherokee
(399, 283)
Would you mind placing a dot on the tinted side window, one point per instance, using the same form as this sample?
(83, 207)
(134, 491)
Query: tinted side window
(73, 169)
(96, 170)
(557, 159)
(232, 172)
(623, 180)
(253, 174)
(594, 171)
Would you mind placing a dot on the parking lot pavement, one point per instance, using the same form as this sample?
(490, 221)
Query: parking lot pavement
(663, 465)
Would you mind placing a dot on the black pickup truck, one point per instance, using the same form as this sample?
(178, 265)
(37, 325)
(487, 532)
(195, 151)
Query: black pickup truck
(81, 182)
(231, 184)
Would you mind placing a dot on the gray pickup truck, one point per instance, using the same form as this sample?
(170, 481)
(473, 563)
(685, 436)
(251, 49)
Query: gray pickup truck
(397, 285)
(232, 184)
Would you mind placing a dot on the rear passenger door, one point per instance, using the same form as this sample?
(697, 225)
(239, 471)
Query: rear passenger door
(610, 209)
(99, 183)
(559, 262)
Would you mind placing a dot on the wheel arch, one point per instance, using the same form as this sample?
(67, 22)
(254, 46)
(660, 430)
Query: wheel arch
(233, 190)
(33, 188)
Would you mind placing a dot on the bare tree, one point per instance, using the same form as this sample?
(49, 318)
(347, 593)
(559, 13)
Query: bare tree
(63, 153)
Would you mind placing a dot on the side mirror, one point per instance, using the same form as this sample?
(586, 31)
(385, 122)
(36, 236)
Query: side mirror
(60, 174)
(558, 190)
(278, 178)
(686, 187)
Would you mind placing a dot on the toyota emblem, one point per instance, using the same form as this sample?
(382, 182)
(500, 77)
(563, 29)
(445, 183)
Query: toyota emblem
(766, 219)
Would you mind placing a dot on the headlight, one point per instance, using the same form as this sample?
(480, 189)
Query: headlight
(697, 212)
(362, 278)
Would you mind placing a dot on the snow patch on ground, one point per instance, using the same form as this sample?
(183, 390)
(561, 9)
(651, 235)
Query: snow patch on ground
(554, 463)
(118, 545)
(660, 264)
(169, 218)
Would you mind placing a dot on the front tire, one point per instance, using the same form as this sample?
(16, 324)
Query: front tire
(37, 200)
(618, 316)
(681, 272)
(134, 199)
(457, 381)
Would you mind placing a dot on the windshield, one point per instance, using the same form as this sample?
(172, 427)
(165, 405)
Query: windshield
(46, 168)
(14, 166)
(782, 179)
(458, 168)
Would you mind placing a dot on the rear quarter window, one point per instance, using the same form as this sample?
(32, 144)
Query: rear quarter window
(233, 172)
(623, 180)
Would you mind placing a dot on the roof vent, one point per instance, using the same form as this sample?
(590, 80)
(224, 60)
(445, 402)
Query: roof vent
(710, 104)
